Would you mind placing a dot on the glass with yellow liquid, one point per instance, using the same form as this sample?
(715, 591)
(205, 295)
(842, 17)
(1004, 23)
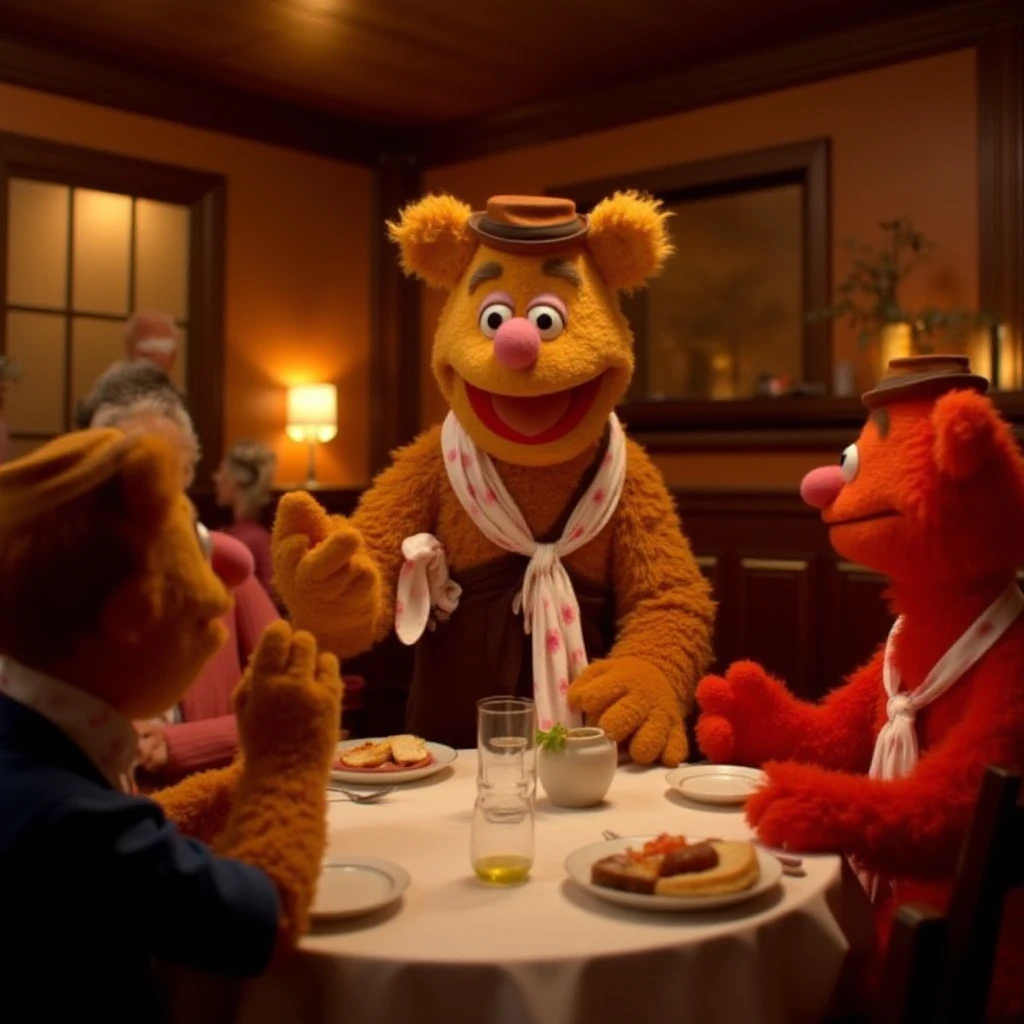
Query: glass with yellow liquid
(502, 843)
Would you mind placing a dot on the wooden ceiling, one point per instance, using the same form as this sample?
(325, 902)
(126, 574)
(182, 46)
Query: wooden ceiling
(411, 64)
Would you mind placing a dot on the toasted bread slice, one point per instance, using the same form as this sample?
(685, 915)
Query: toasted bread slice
(619, 871)
(408, 750)
(737, 869)
(367, 755)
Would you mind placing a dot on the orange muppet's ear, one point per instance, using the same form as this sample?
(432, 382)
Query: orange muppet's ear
(150, 481)
(434, 239)
(628, 240)
(966, 433)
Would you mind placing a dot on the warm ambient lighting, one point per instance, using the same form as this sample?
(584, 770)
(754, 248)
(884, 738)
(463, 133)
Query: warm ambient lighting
(312, 419)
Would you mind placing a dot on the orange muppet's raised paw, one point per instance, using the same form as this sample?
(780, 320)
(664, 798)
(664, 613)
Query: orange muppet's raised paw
(632, 699)
(324, 573)
(289, 698)
(736, 714)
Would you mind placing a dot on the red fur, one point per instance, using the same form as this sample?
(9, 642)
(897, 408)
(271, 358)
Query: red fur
(952, 471)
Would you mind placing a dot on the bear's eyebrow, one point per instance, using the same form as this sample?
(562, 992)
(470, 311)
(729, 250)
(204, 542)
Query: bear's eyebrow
(881, 421)
(485, 272)
(563, 269)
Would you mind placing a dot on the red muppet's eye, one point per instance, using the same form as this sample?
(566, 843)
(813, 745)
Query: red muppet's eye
(849, 463)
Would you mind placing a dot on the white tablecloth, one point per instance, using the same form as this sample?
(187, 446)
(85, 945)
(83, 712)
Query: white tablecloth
(546, 952)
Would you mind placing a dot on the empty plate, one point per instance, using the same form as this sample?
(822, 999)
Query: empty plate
(722, 784)
(352, 886)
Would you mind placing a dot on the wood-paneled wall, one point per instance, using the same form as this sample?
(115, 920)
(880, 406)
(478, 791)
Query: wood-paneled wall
(784, 597)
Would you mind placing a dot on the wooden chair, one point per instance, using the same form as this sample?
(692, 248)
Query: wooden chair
(938, 969)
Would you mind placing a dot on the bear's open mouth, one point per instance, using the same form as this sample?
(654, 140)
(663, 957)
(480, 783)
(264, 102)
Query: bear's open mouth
(533, 419)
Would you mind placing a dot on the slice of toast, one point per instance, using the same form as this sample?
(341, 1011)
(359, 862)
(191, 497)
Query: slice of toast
(367, 755)
(408, 750)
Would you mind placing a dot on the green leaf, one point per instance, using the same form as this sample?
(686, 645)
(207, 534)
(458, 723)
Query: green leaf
(554, 739)
(863, 339)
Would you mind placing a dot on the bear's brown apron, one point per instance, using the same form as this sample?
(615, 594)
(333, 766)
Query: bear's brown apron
(483, 651)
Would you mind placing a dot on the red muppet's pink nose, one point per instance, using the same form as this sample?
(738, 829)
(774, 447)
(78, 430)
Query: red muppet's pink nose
(517, 344)
(822, 486)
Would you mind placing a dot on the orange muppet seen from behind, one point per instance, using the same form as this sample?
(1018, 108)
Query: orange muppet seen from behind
(888, 767)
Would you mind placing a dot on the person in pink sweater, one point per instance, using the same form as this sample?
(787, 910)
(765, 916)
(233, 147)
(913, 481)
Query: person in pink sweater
(201, 732)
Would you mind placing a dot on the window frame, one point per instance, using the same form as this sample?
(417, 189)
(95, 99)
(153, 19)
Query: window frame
(204, 194)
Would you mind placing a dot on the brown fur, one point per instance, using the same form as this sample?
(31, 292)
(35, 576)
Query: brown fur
(338, 577)
(149, 610)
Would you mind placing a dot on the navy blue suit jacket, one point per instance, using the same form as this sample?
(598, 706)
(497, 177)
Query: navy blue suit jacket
(96, 887)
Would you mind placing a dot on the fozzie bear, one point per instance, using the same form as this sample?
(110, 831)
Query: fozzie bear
(109, 606)
(526, 545)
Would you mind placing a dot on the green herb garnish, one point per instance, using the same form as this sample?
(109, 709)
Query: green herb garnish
(554, 738)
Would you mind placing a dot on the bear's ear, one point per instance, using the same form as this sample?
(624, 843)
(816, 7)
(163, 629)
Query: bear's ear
(968, 433)
(150, 481)
(628, 239)
(434, 240)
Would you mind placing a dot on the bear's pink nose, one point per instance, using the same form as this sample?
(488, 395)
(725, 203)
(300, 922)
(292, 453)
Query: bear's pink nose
(822, 486)
(517, 343)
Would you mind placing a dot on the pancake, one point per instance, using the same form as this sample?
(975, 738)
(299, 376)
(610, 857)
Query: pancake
(737, 869)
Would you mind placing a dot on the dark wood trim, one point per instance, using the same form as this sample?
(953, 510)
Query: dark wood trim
(395, 316)
(205, 195)
(766, 424)
(205, 377)
(177, 98)
(42, 160)
(1001, 178)
(857, 49)
(805, 163)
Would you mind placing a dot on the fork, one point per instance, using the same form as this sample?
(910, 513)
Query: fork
(790, 865)
(362, 798)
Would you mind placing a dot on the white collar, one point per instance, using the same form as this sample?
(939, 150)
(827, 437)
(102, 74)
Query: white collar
(102, 733)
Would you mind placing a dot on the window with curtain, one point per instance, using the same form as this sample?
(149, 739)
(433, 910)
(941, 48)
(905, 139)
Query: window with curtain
(88, 239)
(79, 262)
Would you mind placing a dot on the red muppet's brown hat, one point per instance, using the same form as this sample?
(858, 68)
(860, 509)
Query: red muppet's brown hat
(528, 224)
(924, 377)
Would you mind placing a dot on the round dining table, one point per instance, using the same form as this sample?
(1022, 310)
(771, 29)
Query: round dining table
(455, 950)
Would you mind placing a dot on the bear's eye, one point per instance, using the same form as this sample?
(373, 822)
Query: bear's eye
(849, 463)
(493, 316)
(548, 320)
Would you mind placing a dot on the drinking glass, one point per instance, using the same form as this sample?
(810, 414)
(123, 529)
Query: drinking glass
(502, 844)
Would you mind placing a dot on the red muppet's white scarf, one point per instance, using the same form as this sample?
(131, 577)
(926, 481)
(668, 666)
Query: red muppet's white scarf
(896, 751)
(551, 612)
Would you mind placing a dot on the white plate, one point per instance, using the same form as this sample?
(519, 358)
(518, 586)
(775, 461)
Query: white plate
(352, 886)
(722, 784)
(443, 756)
(580, 861)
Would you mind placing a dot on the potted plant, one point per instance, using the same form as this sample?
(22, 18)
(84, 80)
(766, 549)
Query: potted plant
(9, 373)
(575, 766)
(869, 297)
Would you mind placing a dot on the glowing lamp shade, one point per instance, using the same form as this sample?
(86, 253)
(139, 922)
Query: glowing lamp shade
(312, 413)
(313, 419)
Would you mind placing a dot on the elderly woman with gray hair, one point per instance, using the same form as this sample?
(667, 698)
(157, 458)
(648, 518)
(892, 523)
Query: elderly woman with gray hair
(201, 732)
(243, 481)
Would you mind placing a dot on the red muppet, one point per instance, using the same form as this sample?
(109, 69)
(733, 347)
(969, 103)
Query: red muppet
(888, 767)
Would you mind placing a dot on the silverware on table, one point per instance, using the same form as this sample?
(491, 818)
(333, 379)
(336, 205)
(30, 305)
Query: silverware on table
(792, 866)
(361, 798)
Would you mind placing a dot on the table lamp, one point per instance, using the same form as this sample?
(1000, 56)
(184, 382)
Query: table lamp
(313, 419)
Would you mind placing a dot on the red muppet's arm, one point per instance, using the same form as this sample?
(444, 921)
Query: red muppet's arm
(748, 717)
(912, 826)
